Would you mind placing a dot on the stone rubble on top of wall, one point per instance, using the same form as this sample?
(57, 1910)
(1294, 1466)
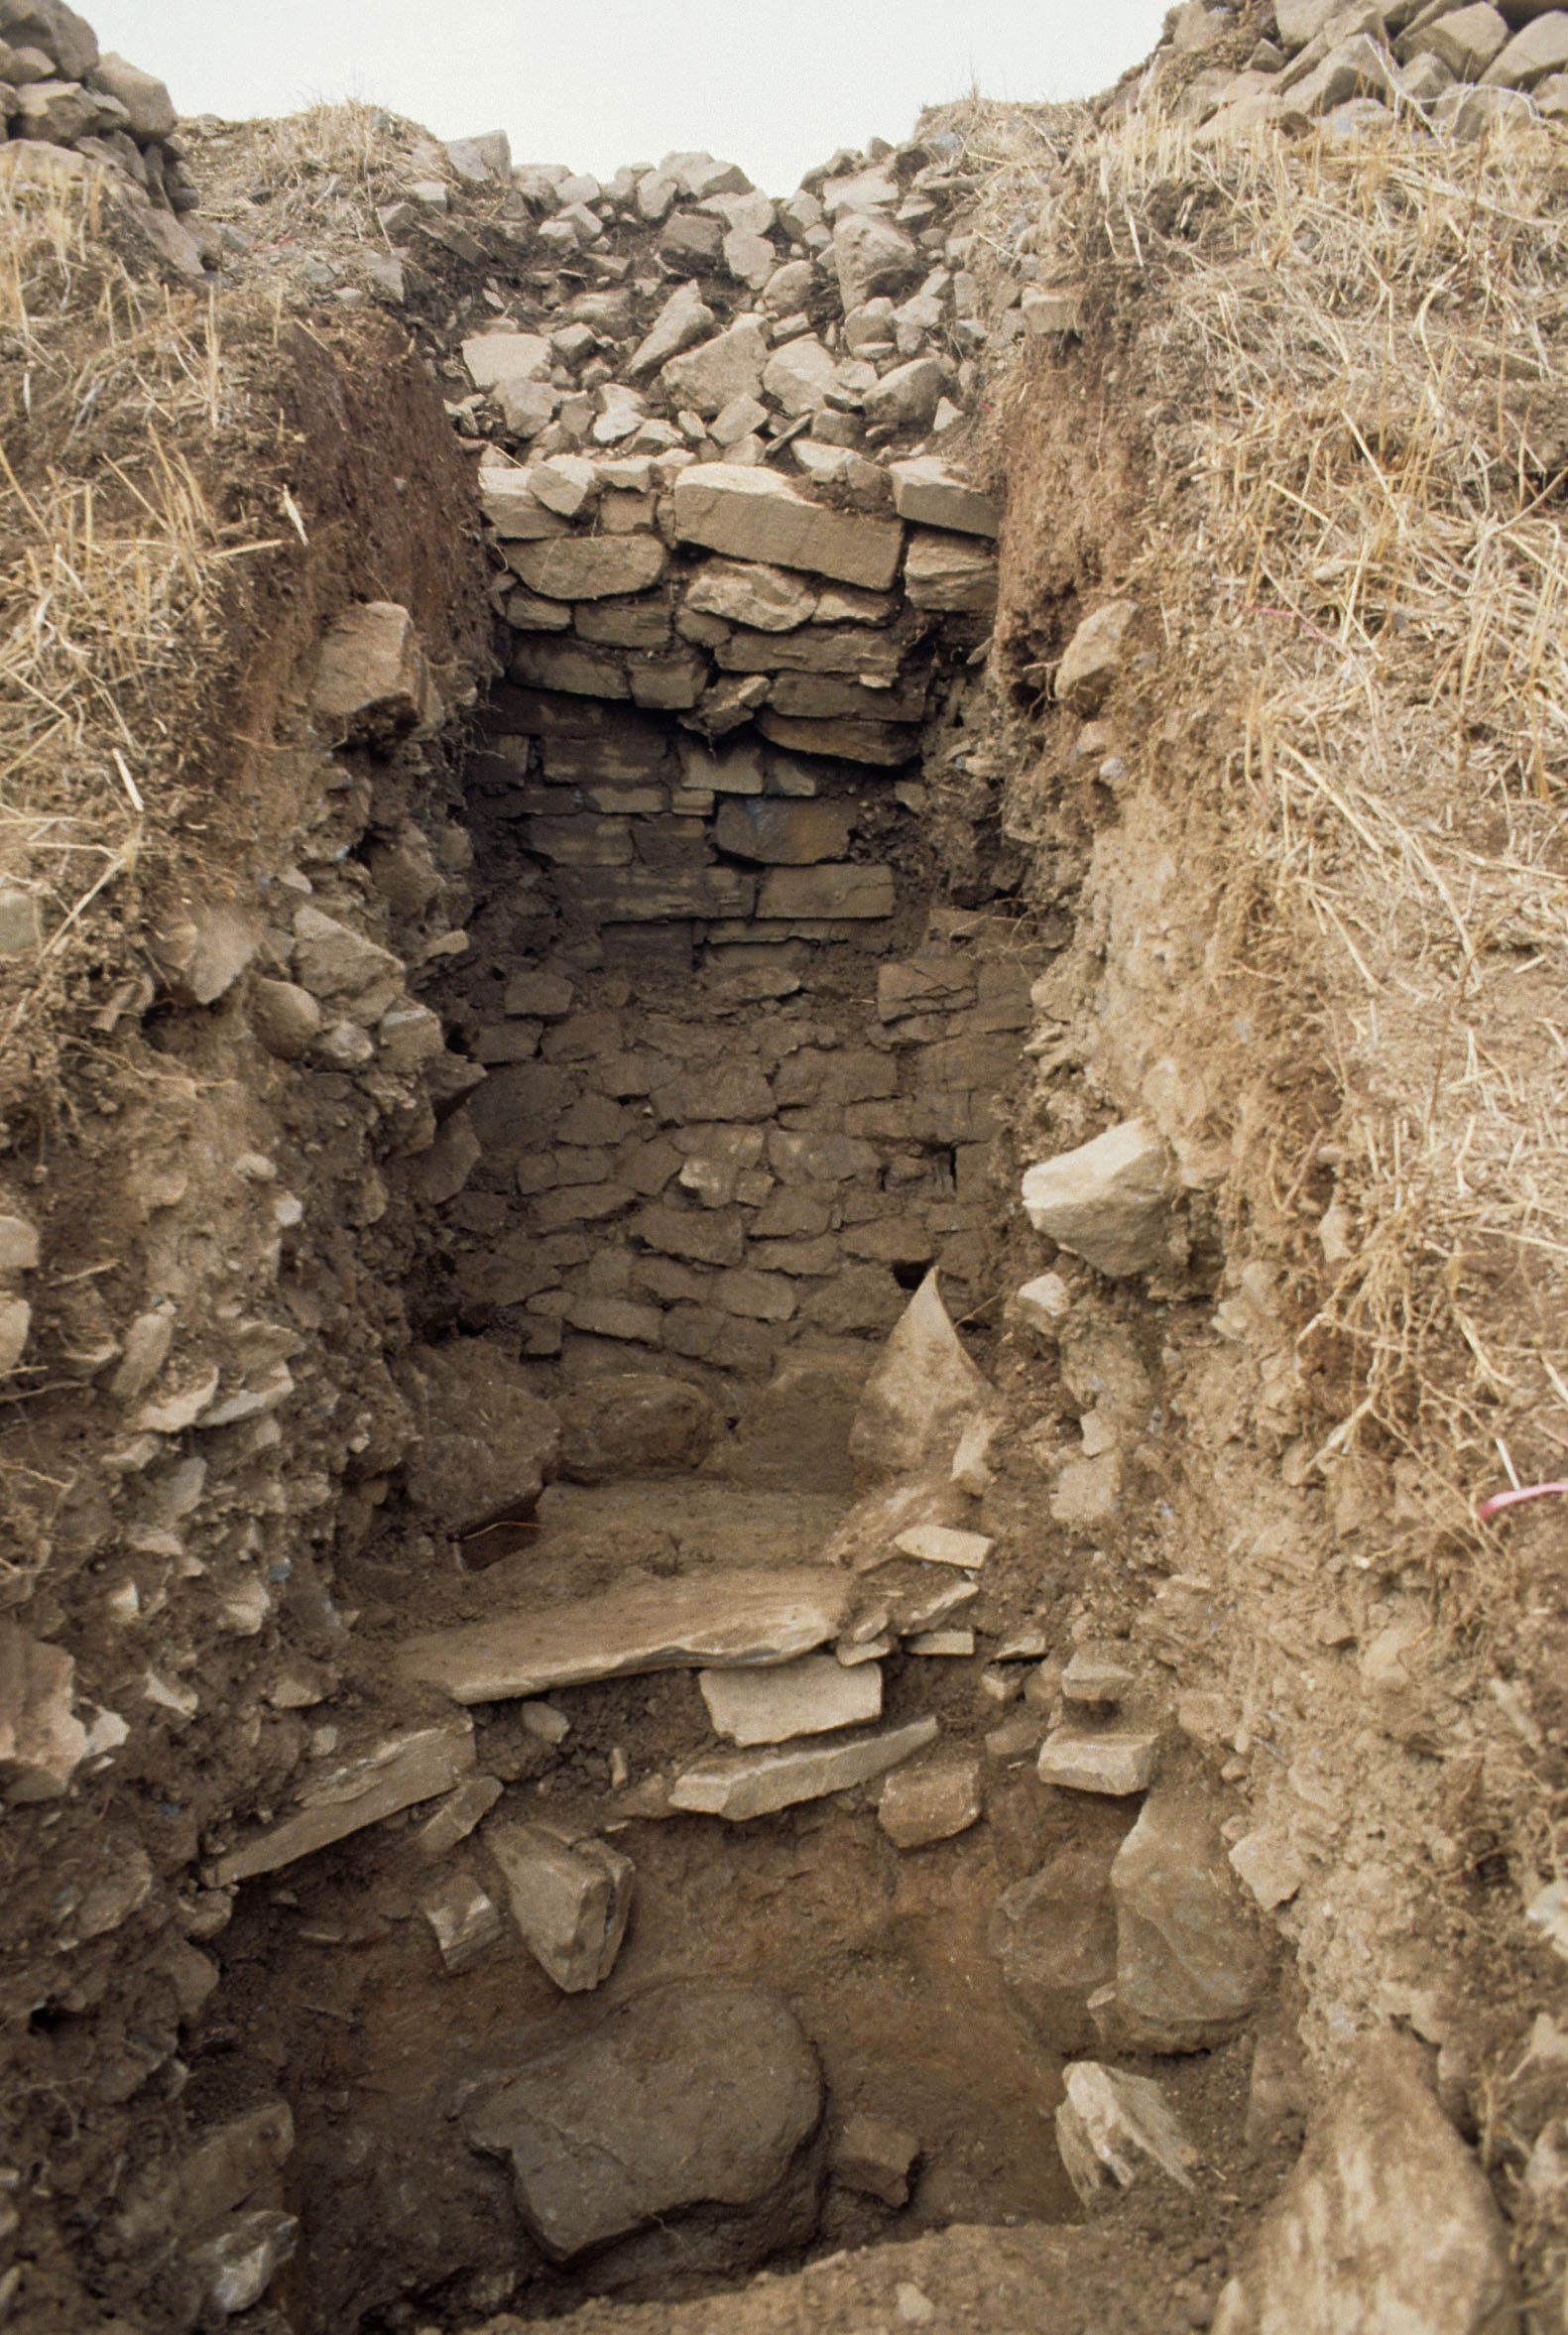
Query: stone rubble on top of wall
(64, 105)
(1458, 65)
(710, 446)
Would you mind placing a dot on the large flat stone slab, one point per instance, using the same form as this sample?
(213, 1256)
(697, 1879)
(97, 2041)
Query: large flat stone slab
(756, 514)
(716, 1620)
(693, 2096)
(741, 1784)
(884, 743)
(808, 1697)
(395, 1774)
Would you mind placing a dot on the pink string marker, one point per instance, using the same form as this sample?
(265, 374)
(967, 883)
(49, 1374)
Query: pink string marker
(1502, 1499)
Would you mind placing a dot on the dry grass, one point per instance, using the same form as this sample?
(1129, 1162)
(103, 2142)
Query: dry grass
(1358, 354)
(114, 567)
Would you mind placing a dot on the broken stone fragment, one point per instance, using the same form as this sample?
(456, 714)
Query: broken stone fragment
(235, 2163)
(704, 379)
(948, 573)
(1096, 1678)
(1112, 2126)
(571, 1901)
(372, 679)
(591, 567)
(1058, 308)
(464, 1921)
(201, 952)
(1108, 1201)
(508, 500)
(739, 1786)
(1093, 658)
(1045, 1304)
(872, 256)
(42, 1741)
(808, 1697)
(1269, 1866)
(747, 592)
(1055, 1937)
(149, 108)
(756, 514)
(942, 1544)
(693, 2096)
(717, 1618)
(1116, 1764)
(875, 2158)
(457, 1815)
(1190, 1965)
(933, 1801)
(285, 1017)
(397, 1773)
(335, 962)
(1386, 2221)
(239, 2261)
(683, 319)
(920, 1397)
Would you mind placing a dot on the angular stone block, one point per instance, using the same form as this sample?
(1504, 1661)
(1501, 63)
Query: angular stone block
(697, 2095)
(756, 514)
(810, 1698)
(928, 494)
(572, 1901)
(590, 567)
(1107, 1200)
(846, 889)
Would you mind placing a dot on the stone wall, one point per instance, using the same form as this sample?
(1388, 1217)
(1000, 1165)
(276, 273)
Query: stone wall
(739, 1082)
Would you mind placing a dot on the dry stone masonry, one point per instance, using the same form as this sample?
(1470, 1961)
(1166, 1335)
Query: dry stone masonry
(651, 1016)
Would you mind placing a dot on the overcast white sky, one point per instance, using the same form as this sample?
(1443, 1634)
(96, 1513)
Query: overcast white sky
(772, 87)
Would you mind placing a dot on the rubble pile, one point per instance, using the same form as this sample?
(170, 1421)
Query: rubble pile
(1456, 65)
(60, 95)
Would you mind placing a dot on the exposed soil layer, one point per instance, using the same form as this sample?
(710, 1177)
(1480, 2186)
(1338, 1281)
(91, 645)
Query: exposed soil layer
(333, 1343)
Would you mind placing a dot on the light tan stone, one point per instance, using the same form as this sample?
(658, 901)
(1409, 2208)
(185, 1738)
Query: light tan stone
(811, 1696)
(756, 514)
(886, 745)
(949, 573)
(749, 592)
(590, 567)
(927, 493)
(718, 1618)
(740, 1785)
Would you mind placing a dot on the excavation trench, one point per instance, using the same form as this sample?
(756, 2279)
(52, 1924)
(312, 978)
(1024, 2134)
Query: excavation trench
(712, 1157)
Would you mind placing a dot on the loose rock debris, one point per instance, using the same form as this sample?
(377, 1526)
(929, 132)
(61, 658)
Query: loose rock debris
(650, 1041)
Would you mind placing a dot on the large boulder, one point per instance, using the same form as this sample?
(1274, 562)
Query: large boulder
(487, 1445)
(634, 1423)
(1387, 2222)
(689, 2114)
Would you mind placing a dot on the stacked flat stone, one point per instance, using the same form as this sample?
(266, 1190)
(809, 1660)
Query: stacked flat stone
(59, 91)
(1458, 65)
(712, 476)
